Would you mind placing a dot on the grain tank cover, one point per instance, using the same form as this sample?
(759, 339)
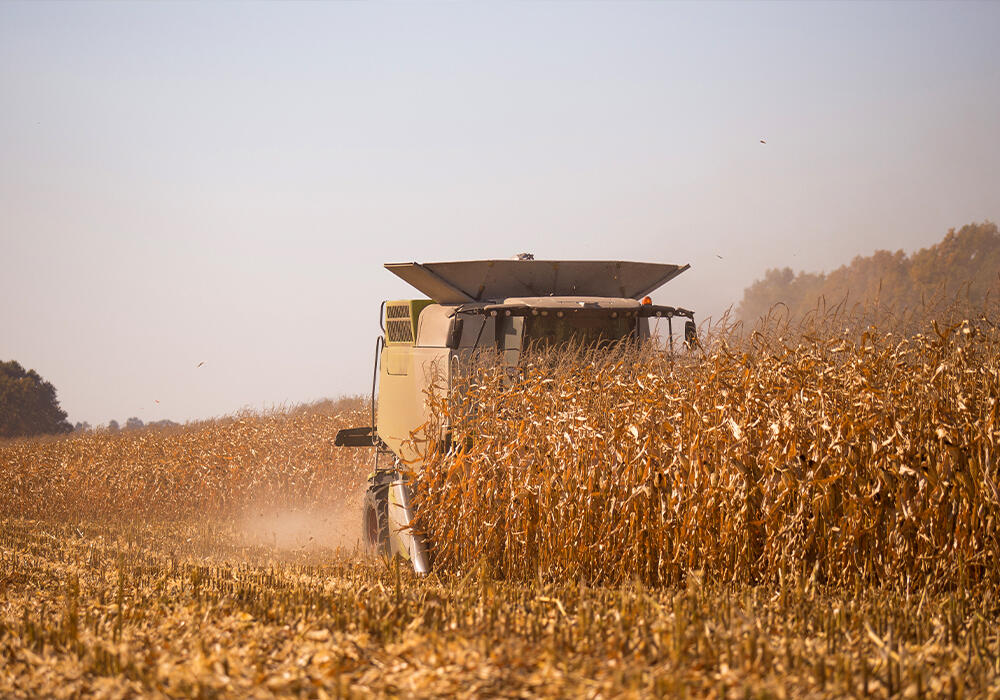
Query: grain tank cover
(493, 280)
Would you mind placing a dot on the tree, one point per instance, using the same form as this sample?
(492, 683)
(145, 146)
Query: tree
(964, 264)
(28, 404)
(133, 423)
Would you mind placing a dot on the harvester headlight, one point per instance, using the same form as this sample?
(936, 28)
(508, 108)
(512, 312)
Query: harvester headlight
(646, 301)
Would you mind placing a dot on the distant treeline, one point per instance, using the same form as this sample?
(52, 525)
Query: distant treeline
(132, 423)
(964, 266)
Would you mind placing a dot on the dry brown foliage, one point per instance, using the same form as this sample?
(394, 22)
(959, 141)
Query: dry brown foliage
(217, 467)
(838, 452)
(816, 509)
(192, 611)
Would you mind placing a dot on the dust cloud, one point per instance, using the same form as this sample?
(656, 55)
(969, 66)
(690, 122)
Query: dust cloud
(337, 526)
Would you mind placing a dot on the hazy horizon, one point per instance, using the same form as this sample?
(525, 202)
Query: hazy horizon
(221, 183)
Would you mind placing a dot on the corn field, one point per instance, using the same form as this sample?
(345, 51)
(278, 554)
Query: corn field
(804, 511)
(852, 458)
(164, 610)
(212, 468)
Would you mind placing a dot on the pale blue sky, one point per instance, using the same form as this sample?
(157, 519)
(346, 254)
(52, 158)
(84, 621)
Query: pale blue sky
(221, 182)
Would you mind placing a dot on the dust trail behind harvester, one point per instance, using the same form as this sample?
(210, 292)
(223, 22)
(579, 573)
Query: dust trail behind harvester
(275, 478)
(331, 526)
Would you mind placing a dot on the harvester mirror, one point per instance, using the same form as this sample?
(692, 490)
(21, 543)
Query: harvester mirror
(690, 334)
(455, 332)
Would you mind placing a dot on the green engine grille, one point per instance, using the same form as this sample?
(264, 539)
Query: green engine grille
(401, 320)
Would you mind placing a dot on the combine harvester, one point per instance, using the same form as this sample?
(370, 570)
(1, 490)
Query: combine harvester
(505, 305)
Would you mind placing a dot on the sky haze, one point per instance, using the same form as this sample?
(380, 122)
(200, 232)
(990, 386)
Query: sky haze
(221, 182)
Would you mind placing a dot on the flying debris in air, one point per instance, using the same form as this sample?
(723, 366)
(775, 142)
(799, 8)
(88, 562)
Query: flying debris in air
(200, 364)
(763, 140)
(719, 256)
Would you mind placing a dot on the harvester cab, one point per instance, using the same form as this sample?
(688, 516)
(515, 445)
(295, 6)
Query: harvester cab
(505, 305)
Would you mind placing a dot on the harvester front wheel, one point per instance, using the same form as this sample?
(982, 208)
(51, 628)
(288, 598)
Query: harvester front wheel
(375, 522)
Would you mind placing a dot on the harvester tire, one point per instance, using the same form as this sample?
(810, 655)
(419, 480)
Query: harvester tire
(375, 522)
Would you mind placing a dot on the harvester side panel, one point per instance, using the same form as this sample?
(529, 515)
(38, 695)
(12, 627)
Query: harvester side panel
(405, 372)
